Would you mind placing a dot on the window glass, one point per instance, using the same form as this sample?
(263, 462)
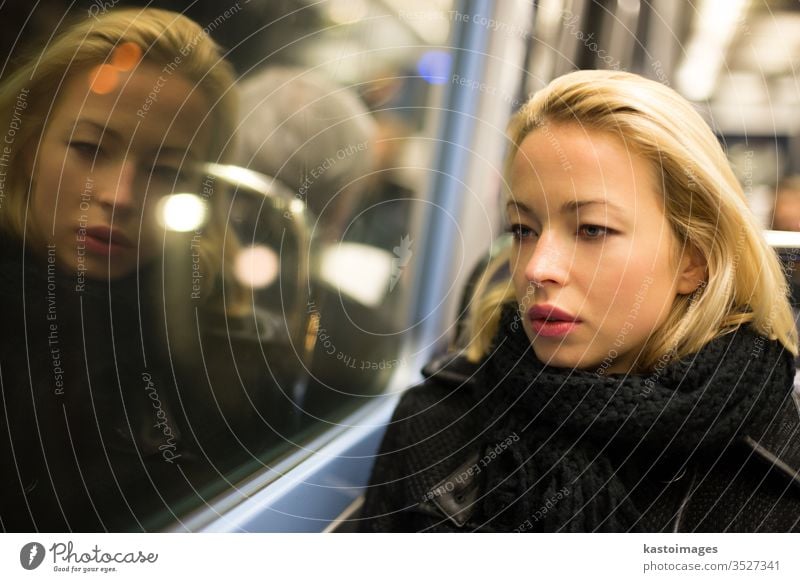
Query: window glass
(181, 319)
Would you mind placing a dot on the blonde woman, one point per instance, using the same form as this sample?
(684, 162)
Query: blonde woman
(629, 367)
(103, 122)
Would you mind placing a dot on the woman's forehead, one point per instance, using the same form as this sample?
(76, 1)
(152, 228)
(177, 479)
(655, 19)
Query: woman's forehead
(145, 106)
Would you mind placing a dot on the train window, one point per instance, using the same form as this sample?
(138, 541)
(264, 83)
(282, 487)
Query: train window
(180, 320)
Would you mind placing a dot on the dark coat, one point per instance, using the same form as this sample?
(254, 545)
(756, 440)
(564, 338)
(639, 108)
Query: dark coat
(111, 419)
(427, 475)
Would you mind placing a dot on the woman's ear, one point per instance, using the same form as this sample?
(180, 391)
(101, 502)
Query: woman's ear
(691, 271)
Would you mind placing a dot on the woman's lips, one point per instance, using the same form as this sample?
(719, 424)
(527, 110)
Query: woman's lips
(549, 321)
(102, 240)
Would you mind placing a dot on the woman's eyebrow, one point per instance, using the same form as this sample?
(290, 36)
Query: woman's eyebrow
(569, 207)
(101, 129)
(574, 205)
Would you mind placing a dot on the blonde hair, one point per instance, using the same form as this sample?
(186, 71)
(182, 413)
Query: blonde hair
(703, 202)
(165, 38)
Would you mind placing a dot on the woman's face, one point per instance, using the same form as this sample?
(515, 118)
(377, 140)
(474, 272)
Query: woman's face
(594, 260)
(104, 162)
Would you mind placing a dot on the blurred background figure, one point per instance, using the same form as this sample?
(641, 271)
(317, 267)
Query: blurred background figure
(786, 214)
(786, 217)
(314, 136)
(318, 140)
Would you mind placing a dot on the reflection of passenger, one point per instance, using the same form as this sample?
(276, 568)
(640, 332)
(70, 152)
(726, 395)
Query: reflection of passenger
(113, 115)
(786, 214)
(634, 372)
(319, 139)
(316, 137)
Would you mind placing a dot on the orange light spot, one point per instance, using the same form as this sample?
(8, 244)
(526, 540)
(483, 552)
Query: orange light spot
(125, 56)
(103, 79)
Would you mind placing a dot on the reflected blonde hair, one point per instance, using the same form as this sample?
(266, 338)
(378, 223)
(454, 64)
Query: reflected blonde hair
(703, 202)
(163, 37)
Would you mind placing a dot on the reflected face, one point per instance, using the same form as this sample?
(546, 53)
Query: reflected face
(104, 162)
(593, 256)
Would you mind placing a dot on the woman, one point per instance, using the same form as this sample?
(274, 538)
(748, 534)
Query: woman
(629, 365)
(112, 407)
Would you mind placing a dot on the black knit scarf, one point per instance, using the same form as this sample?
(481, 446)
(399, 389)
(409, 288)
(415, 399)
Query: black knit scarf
(553, 430)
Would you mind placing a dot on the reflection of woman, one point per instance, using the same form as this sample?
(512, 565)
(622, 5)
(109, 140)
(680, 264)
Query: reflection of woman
(110, 117)
(634, 372)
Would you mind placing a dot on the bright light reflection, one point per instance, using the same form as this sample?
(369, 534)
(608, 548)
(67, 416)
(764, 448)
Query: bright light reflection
(182, 212)
(347, 11)
(257, 266)
(297, 206)
(359, 271)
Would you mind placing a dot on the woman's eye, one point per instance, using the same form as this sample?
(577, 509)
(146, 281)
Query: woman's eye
(521, 232)
(593, 231)
(86, 149)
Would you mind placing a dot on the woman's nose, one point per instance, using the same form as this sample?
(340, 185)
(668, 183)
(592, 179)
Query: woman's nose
(549, 262)
(116, 191)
